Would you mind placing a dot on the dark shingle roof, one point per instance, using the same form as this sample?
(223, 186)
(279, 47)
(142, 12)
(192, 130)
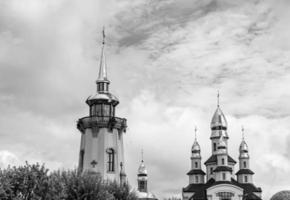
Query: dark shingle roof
(200, 189)
(213, 159)
(245, 171)
(196, 171)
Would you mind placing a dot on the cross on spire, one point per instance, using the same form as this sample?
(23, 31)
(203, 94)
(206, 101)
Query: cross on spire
(195, 131)
(104, 35)
(218, 98)
(243, 133)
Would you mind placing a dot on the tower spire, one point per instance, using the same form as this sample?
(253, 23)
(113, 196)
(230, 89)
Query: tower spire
(243, 133)
(195, 130)
(142, 155)
(218, 98)
(102, 81)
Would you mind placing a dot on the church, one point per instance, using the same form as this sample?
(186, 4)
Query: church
(219, 182)
(102, 152)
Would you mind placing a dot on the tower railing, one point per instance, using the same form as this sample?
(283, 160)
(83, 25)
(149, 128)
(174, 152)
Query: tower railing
(102, 122)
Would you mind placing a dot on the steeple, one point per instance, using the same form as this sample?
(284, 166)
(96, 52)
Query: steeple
(244, 175)
(102, 149)
(195, 149)
(142, 176)
(196, 174)
(244, 151)
(102, 81)
(218, 121)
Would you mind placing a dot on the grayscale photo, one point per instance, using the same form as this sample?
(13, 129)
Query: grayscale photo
(144, 100)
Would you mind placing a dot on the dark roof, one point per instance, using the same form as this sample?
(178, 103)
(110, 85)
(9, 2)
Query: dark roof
(196, 171)
(245, 171)
(251, 196)
(213, 159)
(223, 168)
(200, 189)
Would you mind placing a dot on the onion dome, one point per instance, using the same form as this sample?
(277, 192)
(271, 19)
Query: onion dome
(142, 171)
(195, 149)
(282, 195)
(218, 121)
(244, 151)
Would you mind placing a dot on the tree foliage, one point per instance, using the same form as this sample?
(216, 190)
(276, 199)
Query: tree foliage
(34, 182)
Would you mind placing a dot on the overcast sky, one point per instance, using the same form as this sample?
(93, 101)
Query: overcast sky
(166, 61)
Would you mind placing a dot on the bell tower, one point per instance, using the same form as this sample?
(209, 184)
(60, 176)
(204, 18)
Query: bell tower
(101, 148)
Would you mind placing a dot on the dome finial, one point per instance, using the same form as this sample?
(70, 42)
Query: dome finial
(104, 35)
(142, 155)
(218, 98)
(243, 133)
(195, 131)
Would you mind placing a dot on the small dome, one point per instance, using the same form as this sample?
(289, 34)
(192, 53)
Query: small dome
(195, 147)
(142, 169)
(244, 152)
(195, 150)
(219, 120)
(102, 97)
(283, 195)
(243, 146)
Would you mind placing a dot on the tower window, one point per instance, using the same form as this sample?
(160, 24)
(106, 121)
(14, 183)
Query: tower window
(223, 161)
(245, 164)
(214, 146)
(246, 179)
(196, 165)
(211, 170)
(224, 176)
(142, 186)
(111, 160)
(81, 162)
(196, 179)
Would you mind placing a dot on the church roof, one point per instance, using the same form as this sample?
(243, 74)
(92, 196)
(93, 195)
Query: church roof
(213, 159)
(245, 171)
(218, 119)
(196, 171)
(200, 189)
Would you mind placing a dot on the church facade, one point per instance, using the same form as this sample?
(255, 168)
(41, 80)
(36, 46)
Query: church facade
(219, 182)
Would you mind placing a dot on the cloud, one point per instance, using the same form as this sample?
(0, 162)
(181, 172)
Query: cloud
(8, 159)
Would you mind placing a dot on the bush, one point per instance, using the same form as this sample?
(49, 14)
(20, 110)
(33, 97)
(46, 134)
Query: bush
(33, 182)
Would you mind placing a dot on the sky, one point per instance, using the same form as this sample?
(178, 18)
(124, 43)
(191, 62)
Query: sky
(166, 61)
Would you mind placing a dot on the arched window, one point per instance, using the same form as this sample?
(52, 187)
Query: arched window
(196, 164)
(245, 164)
(111, 160)
(246, 179)
(211, 170)
(196, 179)
(214, 146)
(223, 161)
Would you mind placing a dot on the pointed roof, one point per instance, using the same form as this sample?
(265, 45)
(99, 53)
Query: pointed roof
(195, 147)
(142, 169)
(244, 150)
(103, 65)
(219, 119)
